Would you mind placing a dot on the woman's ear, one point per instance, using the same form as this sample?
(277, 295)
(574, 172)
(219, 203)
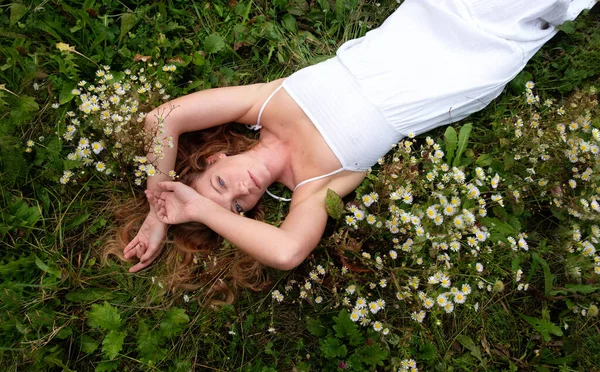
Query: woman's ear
(215, 157)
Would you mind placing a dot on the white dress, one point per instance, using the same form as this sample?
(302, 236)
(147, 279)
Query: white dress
(431, 63)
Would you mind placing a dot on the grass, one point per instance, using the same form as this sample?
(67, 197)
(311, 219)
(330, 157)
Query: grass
(60, 309)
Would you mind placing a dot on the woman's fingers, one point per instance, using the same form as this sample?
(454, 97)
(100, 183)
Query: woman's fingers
(132, 244)
(145, 262)
(168, 185)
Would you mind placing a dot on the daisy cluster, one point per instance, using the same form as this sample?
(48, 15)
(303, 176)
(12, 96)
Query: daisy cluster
(426, 237)
(105, 132)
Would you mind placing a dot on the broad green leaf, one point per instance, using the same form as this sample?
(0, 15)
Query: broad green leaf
(23, 109)
(548, 276)
(451, 140)
(107, 366)
(463, 140)
(47, 269)
(333, 348)
(213, 43)
(316, 328)
(544, 326)
(148, 343)
(128, 20)
(17, 11)
(289, 22)
(90, 295)
(88, 344)
(373, 355)
(484, 160)
(65, 93)
(334, 205)
(340, 6)
(113, 343)
(567, 27)
(175, 320)
(468, 344)
(105, 316)
(345, 328)
(76, 221)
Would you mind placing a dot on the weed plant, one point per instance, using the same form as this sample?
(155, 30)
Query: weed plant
(473, 247)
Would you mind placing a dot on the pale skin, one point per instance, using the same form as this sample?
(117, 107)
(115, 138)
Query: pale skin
(289, 151)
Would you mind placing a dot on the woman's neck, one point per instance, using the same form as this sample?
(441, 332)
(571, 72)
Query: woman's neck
(275, 156)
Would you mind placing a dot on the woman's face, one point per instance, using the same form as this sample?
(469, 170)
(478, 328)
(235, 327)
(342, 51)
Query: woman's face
(235, 182)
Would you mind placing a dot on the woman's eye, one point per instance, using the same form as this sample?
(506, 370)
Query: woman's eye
(221, 182)
(238, 208)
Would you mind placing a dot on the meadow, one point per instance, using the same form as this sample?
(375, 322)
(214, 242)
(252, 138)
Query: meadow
(470, 248)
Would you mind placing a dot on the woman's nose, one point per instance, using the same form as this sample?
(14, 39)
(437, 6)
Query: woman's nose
(243, 189)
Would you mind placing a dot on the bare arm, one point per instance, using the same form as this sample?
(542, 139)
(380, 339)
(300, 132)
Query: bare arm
(192, 112)
(282, 248)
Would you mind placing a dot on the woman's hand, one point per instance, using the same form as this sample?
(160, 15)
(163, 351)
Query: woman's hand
(148, 242)
(178, 203)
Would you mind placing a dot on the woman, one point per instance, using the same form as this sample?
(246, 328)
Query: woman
(431, 63)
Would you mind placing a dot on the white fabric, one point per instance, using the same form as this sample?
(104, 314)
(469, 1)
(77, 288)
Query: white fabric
(431, 63)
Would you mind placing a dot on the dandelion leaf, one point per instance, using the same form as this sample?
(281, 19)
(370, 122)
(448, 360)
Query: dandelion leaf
(105, 316)
(451, 140)
(543, 326)
(334, 205)
(463, 140)
(467, 343)
(548, 276)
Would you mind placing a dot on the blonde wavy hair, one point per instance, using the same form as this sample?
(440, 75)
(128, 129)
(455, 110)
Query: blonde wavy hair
(196, 258)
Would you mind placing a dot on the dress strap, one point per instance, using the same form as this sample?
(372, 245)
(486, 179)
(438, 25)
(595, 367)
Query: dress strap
(319, 177)
(265, 105)
(305, 182)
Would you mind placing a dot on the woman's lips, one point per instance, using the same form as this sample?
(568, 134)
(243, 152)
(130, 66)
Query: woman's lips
(254, 180)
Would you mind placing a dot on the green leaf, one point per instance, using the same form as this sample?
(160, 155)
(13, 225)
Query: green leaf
(65, 93)
(175, 320)
(88, 344)
(47, 269)
(548, 276)
(23, 109)
(427, 352)
(113, 343)
(104, 316)
(289, 22)
(90, 295)
(544, 326)
(128, 20)
(463, 139)
(213, 43)
(148, 344)
(107, 366)
(334, 205)
(373, 355)
(345, 328)
(468, 344)
(451, 139)
(17, 11)
(484, 160)
(333, 348)
(76, 221)
(316, 328)
(567, 27)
